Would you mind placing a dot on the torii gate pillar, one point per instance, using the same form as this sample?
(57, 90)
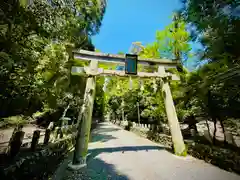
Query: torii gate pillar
(177, 138)
(84, 122)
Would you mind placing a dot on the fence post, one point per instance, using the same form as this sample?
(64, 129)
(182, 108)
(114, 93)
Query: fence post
(16, 143)
(47, 136)
(56, 131)
(51, 125)
(35, 139)
(61, 132)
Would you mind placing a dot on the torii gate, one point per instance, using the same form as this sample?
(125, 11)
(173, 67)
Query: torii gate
(81, 147)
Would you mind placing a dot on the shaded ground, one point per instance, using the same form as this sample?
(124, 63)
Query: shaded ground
(121, 155)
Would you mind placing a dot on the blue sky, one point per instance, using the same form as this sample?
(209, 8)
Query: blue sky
(127, 21)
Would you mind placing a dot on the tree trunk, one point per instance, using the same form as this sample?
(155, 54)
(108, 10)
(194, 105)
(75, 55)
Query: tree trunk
(114, 118)
(223, 130)
(138, 113)
(215, 129)
(192, 125)
(103, 107)
(209, 132)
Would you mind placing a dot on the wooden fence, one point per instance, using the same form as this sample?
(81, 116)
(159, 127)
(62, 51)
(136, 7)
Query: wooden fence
(39, 138)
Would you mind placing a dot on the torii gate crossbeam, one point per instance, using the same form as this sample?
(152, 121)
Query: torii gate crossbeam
(120, 59)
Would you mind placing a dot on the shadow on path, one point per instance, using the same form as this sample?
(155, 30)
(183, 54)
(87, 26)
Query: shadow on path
(100, 134)
(101, 129)
(94, 152)
(96, 169)
(101, 138)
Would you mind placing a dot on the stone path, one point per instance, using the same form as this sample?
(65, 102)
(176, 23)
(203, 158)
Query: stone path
(116, 154)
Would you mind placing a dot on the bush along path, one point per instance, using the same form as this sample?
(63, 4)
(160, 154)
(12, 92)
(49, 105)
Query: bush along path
(115, 153)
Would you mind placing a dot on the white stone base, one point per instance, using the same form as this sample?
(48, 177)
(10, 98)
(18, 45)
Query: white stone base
(76, 167)
(186, 158)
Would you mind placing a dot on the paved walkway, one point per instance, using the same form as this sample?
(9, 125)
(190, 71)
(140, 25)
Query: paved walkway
(116, 154)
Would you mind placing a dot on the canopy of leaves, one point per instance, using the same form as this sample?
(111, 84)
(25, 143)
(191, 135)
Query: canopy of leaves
(36, 40)
(172, 42)
(216, 25)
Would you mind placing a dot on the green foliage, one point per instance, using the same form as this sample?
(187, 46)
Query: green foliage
(120, 97)
(13, 121)
(121, 53)
(224, 158)
(151, 51)
(216, 25)
(210, 96)
(172, 42)
(99, 104)
(36, 40)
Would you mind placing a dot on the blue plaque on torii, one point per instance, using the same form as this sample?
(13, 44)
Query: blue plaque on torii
(131, 64)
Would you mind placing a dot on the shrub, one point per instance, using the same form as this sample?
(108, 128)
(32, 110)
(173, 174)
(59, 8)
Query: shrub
(13, 121)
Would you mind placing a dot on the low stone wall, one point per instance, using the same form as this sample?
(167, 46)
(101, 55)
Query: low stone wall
(146, 127)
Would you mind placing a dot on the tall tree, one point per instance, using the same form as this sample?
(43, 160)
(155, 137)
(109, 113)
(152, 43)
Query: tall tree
(34, 56)
(216, 25)
(173, 41)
